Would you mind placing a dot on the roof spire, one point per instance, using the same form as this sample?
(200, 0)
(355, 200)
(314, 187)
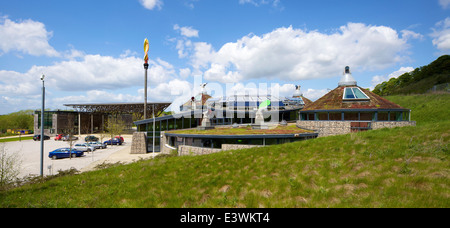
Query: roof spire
(347, 78)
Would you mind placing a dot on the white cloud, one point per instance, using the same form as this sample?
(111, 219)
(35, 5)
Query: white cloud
(93, 72)
(151, 4)
(176, 91)
(294, 54)
(186, 31)
(13, 104)
(28, 37)
(96, 96)
(314, 94)
(98, 78)
(185, 73)
(441, 35)
(444, 3)
(408, 34)
(275, 3)
(203, 54)
(190, 3)
(184, 44)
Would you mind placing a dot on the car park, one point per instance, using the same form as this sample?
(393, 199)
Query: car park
(114, 141)
(65, 153)
(98, 145)
(84, 147)
(38, 137)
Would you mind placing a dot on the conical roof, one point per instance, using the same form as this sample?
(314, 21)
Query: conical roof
(335, 100)
(306, 100)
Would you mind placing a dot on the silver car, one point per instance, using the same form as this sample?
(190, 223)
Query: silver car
(84, 147)
(98, 145)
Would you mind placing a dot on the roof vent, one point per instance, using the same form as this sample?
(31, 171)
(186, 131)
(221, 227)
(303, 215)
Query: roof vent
(347, 79)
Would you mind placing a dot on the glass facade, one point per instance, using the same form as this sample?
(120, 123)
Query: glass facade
(356, 116)
(48, 119)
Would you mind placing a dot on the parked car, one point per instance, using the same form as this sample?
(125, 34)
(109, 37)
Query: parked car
(120, 137)
(38, 137)
(91, 138)
(98, 145)
(113, 141)
(59, 137)
(65, 153)
(66, 138)
(84, 147)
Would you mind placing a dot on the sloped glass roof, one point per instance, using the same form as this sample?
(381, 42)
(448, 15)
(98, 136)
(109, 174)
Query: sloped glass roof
(354, 93)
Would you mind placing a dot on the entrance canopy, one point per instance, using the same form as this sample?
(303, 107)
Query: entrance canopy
(122, 108)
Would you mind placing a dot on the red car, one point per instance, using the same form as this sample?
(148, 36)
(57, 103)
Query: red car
(59, 137)
(120, 138)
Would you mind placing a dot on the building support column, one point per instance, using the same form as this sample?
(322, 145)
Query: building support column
(79, 124)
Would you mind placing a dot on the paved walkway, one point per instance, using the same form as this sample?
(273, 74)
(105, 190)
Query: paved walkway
(122, 156)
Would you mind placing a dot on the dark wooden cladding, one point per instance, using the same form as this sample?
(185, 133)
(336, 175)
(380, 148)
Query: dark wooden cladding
(121, 108)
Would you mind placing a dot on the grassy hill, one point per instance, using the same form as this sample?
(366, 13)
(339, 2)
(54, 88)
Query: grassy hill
(401, 167)
(425, 108)
(420, 80)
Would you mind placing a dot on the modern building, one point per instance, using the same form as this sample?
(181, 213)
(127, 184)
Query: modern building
(92, 118)
(350, 108)
(238, 109)
(65, 122)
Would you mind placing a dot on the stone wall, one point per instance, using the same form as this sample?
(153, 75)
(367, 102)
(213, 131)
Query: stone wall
(237, 146)
(327, 128)
(392, 124)
(191, 150)
(139, 143)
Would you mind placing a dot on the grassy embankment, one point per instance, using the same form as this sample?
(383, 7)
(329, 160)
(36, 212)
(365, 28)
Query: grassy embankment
(401, 167)
(3, 140)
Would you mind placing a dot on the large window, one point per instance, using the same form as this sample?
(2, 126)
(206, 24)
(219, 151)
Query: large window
(48, 119)
(354, 93)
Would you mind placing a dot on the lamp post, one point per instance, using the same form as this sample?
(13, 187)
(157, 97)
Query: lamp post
(42, 125)
(145, 91)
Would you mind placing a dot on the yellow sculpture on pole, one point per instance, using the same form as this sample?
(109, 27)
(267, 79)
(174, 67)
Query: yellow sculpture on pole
(146, 48)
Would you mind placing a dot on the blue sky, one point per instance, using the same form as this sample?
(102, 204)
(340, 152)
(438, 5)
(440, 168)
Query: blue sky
(92, 51)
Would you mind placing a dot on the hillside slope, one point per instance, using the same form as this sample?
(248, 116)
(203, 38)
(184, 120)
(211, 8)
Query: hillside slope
(419, 81)
(425, 108)
(401, 167)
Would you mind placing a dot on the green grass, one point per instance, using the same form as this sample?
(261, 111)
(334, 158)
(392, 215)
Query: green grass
(291, 129)
(400, 167)
(15, 139)
(427, 108)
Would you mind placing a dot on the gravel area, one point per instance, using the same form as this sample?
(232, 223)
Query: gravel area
(29, 153)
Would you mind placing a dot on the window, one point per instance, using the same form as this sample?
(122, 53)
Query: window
(354, 93)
